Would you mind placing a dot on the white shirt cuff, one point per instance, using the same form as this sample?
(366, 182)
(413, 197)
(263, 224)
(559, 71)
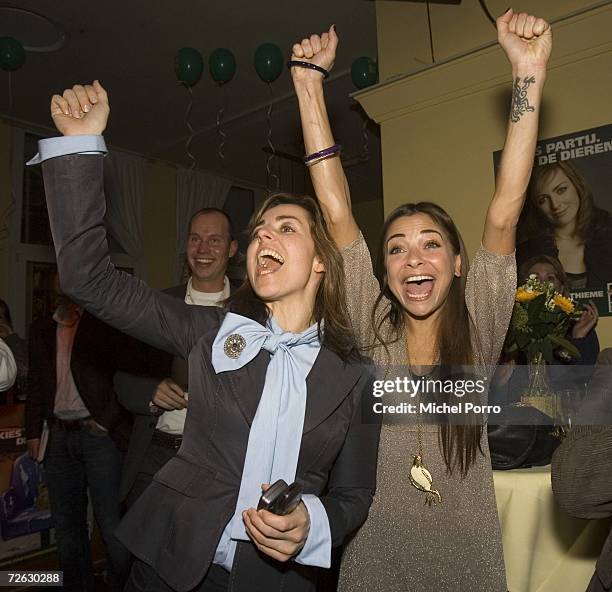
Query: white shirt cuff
(317, 550)
(64, 145)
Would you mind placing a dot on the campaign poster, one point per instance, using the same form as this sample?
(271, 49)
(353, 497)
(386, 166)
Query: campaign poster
(568, 213)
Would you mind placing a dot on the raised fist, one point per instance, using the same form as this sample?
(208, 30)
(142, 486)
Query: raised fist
(81, 110)
(526, 39)
(319, 50)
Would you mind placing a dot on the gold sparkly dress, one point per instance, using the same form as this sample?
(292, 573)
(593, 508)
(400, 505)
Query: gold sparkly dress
(405, 545)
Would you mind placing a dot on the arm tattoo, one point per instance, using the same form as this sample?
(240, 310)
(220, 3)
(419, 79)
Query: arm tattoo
(520, 104)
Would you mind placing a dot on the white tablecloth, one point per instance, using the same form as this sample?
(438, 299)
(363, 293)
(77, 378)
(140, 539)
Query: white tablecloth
(545, 549)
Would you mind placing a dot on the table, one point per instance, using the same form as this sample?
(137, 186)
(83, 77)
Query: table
(545, 549)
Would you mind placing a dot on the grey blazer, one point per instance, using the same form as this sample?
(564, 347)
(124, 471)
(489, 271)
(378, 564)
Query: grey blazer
(176, 524)
(134, 392)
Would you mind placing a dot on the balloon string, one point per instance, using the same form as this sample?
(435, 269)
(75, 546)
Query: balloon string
(189, 128)
(222, 134)
(366, 137)
(431, 43)
(10, 91)
(7, 214)
(270, 174)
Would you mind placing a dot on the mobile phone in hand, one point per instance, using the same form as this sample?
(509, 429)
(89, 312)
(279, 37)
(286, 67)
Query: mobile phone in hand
(280, 498)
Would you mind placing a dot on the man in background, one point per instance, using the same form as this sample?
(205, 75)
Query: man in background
(72, 412)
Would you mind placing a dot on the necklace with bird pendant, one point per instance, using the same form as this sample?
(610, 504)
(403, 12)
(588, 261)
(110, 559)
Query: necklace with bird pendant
(420, 477)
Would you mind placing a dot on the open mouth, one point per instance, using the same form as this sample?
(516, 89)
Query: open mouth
(419, 287)
(204, 260)
(269, 261)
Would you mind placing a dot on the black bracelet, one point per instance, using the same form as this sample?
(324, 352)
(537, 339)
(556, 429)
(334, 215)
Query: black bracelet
(298, 64)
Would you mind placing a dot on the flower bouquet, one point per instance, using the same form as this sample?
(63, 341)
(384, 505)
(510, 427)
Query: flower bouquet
(540, 320)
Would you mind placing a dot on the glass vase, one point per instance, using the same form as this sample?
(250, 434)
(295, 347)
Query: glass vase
(539, 393)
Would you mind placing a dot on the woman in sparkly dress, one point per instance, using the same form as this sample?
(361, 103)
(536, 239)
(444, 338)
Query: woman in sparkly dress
(430, 311)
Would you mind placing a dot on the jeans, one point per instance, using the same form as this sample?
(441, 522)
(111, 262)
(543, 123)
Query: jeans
(75, 461)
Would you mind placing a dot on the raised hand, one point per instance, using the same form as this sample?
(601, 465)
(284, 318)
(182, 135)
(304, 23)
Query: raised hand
(586, 322)
(81, 110)
(319, 50)
(526, 39)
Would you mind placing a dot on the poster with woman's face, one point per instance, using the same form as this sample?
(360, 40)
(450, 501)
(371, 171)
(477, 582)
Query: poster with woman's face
(565, 230)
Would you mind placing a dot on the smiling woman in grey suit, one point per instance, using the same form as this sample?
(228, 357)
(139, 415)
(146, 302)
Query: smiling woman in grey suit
(276, 362)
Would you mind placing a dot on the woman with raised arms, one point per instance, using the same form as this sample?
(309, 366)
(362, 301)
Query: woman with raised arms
(430, 312)
(275, 385)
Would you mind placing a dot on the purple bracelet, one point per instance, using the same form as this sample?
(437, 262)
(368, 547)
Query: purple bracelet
(299, 64)
(321, 154)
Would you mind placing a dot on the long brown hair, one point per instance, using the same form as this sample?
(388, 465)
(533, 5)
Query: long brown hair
(329, 310)
(460, 443)
(536, 222)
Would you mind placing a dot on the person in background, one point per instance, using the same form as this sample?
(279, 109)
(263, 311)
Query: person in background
(566, 374)
(160, 407)
(581, 332)
(582, 466)
(8, 367)
(19, 350)
(73, 358)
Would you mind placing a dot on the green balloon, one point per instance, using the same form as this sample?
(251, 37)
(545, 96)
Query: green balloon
(222, 65)
(364, 72)
(268, 61)
(12, 54)
(188, 65)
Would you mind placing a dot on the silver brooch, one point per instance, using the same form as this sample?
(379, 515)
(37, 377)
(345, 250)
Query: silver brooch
(234, 345)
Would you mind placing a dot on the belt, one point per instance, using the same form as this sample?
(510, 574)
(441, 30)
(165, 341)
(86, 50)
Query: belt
(71, 425)
(167, 440)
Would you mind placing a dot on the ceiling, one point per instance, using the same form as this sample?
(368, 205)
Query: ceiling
(130, 46)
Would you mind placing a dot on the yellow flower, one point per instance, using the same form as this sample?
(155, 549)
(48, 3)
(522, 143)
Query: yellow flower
(523, 295)
(565, 304)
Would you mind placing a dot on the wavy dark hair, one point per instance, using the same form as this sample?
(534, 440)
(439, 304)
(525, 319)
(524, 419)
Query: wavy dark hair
(460, 443)
(330, 301)
(536, 223)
